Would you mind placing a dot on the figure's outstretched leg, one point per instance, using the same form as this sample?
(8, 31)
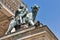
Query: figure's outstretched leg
(31, 22)
(11, 26)
(20, 21)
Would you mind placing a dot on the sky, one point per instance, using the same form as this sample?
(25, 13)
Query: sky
(48, 14)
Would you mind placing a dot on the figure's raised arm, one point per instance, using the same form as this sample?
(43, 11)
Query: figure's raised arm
(34, 11)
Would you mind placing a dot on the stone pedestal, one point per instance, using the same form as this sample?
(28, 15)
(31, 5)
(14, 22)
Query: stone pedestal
(43, 33)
